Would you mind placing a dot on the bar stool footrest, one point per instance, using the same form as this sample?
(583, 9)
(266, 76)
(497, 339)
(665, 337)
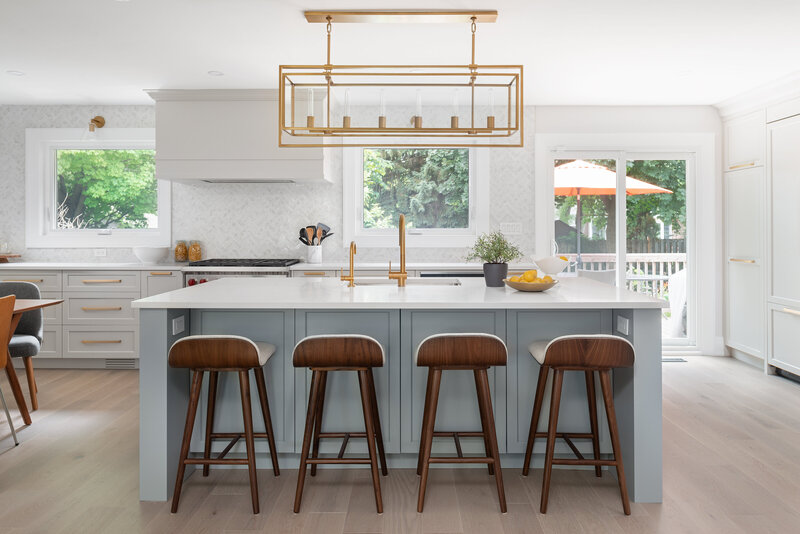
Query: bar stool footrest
(461, 460)
(456, 435)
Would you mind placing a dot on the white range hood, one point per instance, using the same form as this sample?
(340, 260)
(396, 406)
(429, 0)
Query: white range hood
(227, 136)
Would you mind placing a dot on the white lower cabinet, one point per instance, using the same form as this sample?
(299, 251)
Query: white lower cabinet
(785, 338)
(51, 342)
(745, 325)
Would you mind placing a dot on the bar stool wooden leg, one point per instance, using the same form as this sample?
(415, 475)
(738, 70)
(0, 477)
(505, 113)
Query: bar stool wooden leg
(28, 360)
(608, 400)
(427, 431)
(310, 416)
(555, 400)
(590, 394)
(538, 400)
(376, 417)
(264, 401)
(191, 412)
(425, 412)
(485, 398)
(247, 414)
(212, 399)
(369, 424)
(323, 380)
(484, 425)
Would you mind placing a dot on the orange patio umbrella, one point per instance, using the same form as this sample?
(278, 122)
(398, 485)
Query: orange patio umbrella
(580, 177)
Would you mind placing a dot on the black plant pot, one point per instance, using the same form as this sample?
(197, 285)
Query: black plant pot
(494, 273)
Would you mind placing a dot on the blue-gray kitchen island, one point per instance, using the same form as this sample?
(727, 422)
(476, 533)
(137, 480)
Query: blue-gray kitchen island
(283, 311)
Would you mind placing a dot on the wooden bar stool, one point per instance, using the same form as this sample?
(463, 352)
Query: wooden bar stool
(217, 354)
(592, 353)
(476, 352)
(346, 352)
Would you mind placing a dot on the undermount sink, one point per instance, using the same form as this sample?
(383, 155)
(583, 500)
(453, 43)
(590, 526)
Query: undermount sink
(410, 281)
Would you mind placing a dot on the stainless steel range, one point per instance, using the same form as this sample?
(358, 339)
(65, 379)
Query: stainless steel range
(199, 272)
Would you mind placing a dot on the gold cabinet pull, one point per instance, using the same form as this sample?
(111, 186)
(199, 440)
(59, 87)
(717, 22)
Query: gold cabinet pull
(101, 308)
(95, 341)
(791, 311)
(33, 281)
(102, 281)
(740, 260)
(313, 273)
(742, 165)
(160, 273)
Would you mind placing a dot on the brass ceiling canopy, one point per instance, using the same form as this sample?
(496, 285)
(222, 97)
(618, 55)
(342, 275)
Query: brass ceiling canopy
(96, 122)
(466, 105)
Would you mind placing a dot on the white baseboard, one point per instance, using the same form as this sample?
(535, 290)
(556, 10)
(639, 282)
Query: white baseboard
(70, 363)
(749, 359)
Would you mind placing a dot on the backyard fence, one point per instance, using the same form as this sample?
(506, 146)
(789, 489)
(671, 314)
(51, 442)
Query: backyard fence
(645, 272)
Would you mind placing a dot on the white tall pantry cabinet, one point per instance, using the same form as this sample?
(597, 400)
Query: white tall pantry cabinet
(762, 242)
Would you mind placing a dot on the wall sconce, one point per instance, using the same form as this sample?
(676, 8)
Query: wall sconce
(96, 122)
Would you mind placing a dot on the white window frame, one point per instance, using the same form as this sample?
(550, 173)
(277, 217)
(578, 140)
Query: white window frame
(703, 182)
(353, 207)
(41, 145)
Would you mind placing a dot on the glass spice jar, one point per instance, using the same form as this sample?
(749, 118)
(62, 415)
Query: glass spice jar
(195, 251)
(181, 252)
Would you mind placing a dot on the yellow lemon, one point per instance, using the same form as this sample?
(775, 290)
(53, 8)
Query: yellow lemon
(547, 279)
(563, 258)
(529, 276)
(515, 279)
(538, 280)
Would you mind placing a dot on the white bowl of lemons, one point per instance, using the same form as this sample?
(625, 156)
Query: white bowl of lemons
(530, 281)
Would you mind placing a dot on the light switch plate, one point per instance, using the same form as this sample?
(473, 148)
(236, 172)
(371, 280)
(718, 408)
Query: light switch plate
(622, 325)
(178, 325)
(511, 228)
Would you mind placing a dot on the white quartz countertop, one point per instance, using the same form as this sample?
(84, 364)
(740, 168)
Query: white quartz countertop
(98, 266)
(412, 266)
(331, 293)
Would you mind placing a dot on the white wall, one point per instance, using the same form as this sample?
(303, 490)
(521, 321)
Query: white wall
(246, 220)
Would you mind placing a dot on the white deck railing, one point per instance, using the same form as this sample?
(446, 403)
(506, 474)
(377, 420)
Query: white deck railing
(646, 272)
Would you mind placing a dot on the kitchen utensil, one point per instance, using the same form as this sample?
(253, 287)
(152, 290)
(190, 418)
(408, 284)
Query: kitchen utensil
(318, 236)
(325, 227)
(326, 235)
(530, 286)
(303, 237)
(310, 234)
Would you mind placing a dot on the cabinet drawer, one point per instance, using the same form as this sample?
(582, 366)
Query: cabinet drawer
(46, 280)
(312, 273)
(785, 353)
(53, 314)
(51, 342)
(100, 342)
(156, 282)
(100, 310)
(104, 281)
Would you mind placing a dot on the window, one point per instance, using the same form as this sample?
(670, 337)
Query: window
(443, 193)
(94, 192)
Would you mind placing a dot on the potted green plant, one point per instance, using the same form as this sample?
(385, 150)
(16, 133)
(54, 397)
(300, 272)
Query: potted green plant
(495, 251)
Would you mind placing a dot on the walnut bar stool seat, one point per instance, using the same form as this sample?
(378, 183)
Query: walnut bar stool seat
(590, 354)
(215, 354)
(343, 352)
(476, 352)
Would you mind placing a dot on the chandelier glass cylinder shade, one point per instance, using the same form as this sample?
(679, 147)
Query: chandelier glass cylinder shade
(467, 105)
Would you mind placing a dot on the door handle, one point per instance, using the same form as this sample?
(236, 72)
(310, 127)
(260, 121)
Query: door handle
(101, 308)
(95, 341)
(102, 281)
(791, 311)
(740, 260)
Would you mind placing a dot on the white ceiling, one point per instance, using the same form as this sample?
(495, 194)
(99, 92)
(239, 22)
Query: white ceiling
(576, 52)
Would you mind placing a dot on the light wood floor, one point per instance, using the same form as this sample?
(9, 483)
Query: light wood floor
(731, 464)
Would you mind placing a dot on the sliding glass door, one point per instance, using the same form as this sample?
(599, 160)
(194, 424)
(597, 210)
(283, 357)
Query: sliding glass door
(626, 219)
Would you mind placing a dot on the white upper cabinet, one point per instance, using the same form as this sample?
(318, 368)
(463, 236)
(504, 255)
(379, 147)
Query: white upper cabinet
(784, 187)
(745, 140)
(227, 136)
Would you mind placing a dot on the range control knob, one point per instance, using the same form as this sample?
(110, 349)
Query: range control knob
(191, 282)
(202, 281)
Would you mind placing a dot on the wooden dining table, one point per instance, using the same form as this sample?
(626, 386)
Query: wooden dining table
(21, 306)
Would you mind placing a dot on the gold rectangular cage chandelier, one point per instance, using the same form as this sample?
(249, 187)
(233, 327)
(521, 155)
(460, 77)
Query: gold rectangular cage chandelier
(400, 105)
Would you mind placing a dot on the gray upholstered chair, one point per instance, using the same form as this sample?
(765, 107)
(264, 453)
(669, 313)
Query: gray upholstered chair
(27, 339)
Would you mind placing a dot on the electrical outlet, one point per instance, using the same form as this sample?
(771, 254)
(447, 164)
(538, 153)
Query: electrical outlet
(178, 325)
(511, 228)
(622, 325)
(99, 253)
